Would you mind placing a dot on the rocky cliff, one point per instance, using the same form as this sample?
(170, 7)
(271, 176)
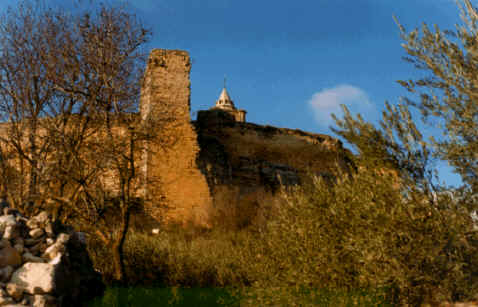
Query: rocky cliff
(247, 158)
(247, 154)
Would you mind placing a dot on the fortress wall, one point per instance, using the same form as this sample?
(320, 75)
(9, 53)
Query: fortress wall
(187, 169)
(177, 191)
(246, 164)
(247, 154)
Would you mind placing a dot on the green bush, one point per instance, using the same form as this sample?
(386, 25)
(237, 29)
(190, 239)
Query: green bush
(365, 232)
(363, 238)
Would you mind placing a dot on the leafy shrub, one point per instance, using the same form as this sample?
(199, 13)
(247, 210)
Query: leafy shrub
(364, 237)
(365, 232)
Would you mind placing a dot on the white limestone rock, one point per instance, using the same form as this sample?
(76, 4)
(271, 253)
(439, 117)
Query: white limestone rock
(49, 230)
(35, 278)
(64, 273)
(7, 220)
(44, 301)
(15, 291)
(52, 251)
(41, 218)
(56, 259)
(11, 232)
(36, 233)
(62, 238)
(32, 223)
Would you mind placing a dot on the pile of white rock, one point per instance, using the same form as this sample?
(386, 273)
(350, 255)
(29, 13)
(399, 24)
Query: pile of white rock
(36, 268)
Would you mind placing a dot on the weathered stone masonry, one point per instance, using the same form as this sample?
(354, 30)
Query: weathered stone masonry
(187, 164)
(174, 182)
(190, 164)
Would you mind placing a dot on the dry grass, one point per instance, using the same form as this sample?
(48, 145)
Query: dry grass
(358, 236)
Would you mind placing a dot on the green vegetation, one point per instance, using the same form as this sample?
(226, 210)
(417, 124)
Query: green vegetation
(358, 236)
(211, 297)
(386, 232)
(68, 81)
(153, 297)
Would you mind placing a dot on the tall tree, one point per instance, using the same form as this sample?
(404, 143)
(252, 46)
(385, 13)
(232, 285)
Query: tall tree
(25, 93)
(70, 83)
(448, 95)
(447, 98)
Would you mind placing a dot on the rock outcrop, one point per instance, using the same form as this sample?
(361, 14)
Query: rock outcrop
(246, 163)
(251, 155)
(42, 267)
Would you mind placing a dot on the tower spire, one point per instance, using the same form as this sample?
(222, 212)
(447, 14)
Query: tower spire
(224, 101)
(225, 104)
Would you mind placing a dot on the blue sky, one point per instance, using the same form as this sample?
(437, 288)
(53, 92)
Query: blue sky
(291, 63)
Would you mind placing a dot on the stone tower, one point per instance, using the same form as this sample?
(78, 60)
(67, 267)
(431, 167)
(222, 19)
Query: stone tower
(175, 188)
(226, 104)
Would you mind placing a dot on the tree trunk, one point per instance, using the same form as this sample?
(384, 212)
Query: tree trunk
(117, 262)
(118, 243)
